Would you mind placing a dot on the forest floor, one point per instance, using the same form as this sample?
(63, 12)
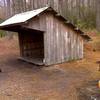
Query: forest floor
(23, 81)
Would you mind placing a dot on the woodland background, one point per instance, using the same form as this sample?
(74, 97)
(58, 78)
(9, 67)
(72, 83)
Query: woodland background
(83, 13)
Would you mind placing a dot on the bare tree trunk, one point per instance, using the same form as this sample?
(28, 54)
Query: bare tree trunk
(8, 8)
(8, 14)
(98, 15)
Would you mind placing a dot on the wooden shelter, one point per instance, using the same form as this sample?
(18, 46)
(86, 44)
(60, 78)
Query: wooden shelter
(46, 37)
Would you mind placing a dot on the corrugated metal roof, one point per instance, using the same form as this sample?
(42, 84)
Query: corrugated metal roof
(23, 17)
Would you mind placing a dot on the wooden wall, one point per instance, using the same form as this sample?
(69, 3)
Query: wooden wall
(37, 23)
(61, 42)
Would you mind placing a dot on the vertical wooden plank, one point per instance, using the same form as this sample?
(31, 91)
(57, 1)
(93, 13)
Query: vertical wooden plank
(66, 44)
(62, 36)
(20, 44)
(47, 38)
(60, 42)
(51, 32)
(74, 43)
(75, 46)
(71, 55)
(81, 48)
(57, 41)
(69, 45)
(45, 49)
(78, 44)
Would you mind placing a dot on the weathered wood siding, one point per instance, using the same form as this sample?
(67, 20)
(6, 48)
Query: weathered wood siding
(37, 23)
(61, 42)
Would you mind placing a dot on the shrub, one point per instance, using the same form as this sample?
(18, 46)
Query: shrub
(2, 33)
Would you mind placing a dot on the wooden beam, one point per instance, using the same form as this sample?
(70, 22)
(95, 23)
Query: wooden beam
(58, 15)
(32, 61)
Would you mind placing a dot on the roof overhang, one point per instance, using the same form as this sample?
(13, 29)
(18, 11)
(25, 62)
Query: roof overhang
(19, 28)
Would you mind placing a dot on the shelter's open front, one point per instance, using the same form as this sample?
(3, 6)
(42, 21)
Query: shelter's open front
(31, 46)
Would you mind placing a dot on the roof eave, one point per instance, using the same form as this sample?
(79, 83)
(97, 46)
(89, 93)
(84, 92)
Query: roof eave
(11, 25)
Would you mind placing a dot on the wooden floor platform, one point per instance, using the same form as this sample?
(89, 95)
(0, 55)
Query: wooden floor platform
(36, 61)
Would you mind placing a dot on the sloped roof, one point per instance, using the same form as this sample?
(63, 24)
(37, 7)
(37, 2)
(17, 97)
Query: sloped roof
(24, 17)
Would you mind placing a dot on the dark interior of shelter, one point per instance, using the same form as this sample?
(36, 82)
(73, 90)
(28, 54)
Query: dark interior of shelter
(32, 46)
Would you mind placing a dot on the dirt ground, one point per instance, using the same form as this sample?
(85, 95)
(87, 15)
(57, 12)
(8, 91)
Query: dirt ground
(22, 81)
